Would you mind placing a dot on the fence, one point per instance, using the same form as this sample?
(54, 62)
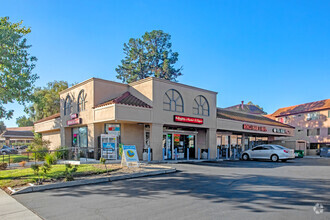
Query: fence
(73, 153)
(33, 156)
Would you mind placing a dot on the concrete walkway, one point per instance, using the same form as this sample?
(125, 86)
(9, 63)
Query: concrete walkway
(11, 209)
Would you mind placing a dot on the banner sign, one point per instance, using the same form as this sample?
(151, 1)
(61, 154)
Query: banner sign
(185, 119)
(74, 121)
(130, 155)
(254, 128)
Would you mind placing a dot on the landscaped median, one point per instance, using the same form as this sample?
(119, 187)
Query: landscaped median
(24, 180)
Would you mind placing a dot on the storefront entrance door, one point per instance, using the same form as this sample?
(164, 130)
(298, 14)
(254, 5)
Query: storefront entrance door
(179, 142)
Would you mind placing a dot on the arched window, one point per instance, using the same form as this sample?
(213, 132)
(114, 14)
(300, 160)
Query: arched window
(201, 106)
(67, 105)
(173, 101)
(81, 101)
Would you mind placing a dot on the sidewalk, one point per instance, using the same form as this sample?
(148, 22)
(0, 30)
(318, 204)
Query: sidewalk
(11, 209)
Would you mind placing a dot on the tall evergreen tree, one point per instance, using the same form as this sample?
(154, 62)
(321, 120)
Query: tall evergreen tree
(150, 55)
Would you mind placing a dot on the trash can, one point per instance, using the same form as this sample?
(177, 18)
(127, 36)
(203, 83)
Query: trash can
(299, 153)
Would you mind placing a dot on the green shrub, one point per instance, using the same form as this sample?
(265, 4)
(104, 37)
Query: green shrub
(104, 162)
(3, 166)
(51, 159)
(45, 168)
(69, 171)
(62, 152)
(39, 152)
(36, 170)
(39, 146)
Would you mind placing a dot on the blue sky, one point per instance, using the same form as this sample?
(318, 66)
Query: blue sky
(274, 53)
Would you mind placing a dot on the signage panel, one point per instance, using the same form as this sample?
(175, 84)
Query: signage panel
(73, 116)
(254, 128)
(130, 156)
(281, 131)
(74, 121)
(185, 119)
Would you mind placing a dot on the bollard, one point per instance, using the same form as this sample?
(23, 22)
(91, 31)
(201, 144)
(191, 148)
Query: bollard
(234, 153)
(164, 153)
(149, 155)
(218, 155)
(198, 154)
(208, 153)
(226, 153)
(188, 153)
(176, 154)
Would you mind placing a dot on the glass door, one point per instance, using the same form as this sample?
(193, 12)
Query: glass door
(167, 144)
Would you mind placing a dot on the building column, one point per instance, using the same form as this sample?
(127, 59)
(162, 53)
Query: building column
(156, 140)
(211, 141)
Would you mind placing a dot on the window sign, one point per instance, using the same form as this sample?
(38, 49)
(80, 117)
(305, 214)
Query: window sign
(113, 129)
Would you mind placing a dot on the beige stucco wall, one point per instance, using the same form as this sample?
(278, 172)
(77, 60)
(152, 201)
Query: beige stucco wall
(49, 125)
(105, 90)
(53, 137)
(133, 134)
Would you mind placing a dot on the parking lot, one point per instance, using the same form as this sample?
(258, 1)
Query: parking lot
(222, 190)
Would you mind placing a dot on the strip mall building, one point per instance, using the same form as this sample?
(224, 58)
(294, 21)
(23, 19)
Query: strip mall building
(166, 116)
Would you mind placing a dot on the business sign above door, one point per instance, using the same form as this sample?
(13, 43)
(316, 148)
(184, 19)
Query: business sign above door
(184, 119)
(281, 131)
(254, 128)
(75, 121)
(73, 116)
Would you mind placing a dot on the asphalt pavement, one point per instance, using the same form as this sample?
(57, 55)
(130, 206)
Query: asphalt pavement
(223, 190)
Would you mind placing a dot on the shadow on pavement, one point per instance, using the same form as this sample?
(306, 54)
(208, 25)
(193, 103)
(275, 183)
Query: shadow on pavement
(250, 192)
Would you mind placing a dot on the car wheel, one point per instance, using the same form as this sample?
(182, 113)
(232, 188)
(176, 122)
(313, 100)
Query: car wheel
(4, 153)
(274, 158)
(245, 157)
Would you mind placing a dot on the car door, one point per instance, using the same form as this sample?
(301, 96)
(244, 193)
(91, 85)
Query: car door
(266, 152)
(256, 152)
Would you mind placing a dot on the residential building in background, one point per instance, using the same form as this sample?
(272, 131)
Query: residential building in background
(17, 136)
(311, 122)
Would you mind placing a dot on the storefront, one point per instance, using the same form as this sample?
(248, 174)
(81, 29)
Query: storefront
(175, 121)
(240, 131)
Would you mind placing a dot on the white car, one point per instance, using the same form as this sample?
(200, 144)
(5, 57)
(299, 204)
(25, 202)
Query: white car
(269, 151)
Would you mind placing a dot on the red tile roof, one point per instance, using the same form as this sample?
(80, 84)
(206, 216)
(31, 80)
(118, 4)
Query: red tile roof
(307, 107)
(57, 115)
(126, 99)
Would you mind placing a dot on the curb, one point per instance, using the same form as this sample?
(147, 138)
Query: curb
(37, 188)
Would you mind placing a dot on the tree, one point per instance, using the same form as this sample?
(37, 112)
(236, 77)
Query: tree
(23, 121)
(150, 55)
(16, 65)
(259, 107)
(2, 127)
(46, 100)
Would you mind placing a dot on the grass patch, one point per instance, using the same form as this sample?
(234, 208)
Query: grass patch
(20, 177)
(16, 158)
